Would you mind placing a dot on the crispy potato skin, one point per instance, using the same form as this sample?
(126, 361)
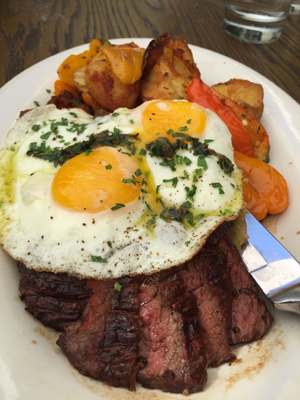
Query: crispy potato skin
(106, 88)
(246, 94)
(168, 69)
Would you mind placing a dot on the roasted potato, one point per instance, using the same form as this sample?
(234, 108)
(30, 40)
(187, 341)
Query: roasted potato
(246, 94)
(79, 78)
(107, 87)
(168, 69)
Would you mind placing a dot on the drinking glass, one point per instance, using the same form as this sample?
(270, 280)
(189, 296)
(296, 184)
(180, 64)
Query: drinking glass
(256, 21)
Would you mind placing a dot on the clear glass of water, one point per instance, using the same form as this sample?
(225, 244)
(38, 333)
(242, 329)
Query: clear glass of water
(256, 21)
(295, 7)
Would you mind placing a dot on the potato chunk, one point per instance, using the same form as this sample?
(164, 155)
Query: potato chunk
(106, 87)
(246, 94)
(169, 68)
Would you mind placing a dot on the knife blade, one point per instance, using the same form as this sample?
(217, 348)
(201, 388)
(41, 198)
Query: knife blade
(274, 269)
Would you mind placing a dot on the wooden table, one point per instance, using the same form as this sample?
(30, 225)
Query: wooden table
(32, 30)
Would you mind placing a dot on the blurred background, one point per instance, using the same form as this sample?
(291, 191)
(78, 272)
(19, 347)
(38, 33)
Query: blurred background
(32, 30)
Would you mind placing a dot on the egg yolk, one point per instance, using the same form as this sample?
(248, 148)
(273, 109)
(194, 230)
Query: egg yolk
(94, 182)
(162, 118)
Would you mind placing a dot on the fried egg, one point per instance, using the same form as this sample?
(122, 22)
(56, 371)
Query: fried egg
(136, 191)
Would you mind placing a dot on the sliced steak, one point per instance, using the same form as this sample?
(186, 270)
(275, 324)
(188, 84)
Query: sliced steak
(250, 316)
(56, 300)
(207, 276)
(171, 339)
(163, 329)
(103, 344)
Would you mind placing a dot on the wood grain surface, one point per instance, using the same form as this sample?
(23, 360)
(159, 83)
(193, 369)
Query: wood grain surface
(32, 30)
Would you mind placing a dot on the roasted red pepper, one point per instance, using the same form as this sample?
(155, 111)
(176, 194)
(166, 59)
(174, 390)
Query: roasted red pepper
(265, 189)
(200, 93)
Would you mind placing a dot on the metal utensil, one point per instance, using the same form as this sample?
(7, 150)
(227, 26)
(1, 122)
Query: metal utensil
(274, 269)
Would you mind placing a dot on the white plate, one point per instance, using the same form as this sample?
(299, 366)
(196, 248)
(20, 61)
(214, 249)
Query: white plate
(32, 367)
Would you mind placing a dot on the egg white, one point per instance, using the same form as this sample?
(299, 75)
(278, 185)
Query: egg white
(45, 236)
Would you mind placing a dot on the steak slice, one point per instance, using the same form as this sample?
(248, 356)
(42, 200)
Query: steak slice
(103, 344)
(208, 277)
(250, 316)
(171, 340)
(55, 299)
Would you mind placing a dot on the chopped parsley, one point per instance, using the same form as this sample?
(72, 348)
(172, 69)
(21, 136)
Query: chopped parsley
(117, 206)
(127, 180)
(187, 204)
(75, 102)
(190, 193)
(178, 159)
(161, 215)
(190, 218)
(117, 287)
(183, 129)
(60, 155)
(138, 172)
(174, 181)
(36, 128)
(116, 130)
(108, 166)
(36, 104)
(98, 259)
(187, 161)
(46, 136)
(149, 207)
(168, 163)
(218, 185)
(225, 212)
(202, 162)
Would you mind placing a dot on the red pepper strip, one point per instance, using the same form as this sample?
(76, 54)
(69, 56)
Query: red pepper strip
(200, 93)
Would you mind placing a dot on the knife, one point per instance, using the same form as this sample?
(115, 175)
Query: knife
(274, 269)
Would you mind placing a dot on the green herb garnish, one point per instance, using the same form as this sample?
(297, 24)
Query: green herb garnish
(46, 136)
(174, 181)
(117, 206)
(187, 161)
(183, 129)
(117, 287)
(36, 128)
(98, 259)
